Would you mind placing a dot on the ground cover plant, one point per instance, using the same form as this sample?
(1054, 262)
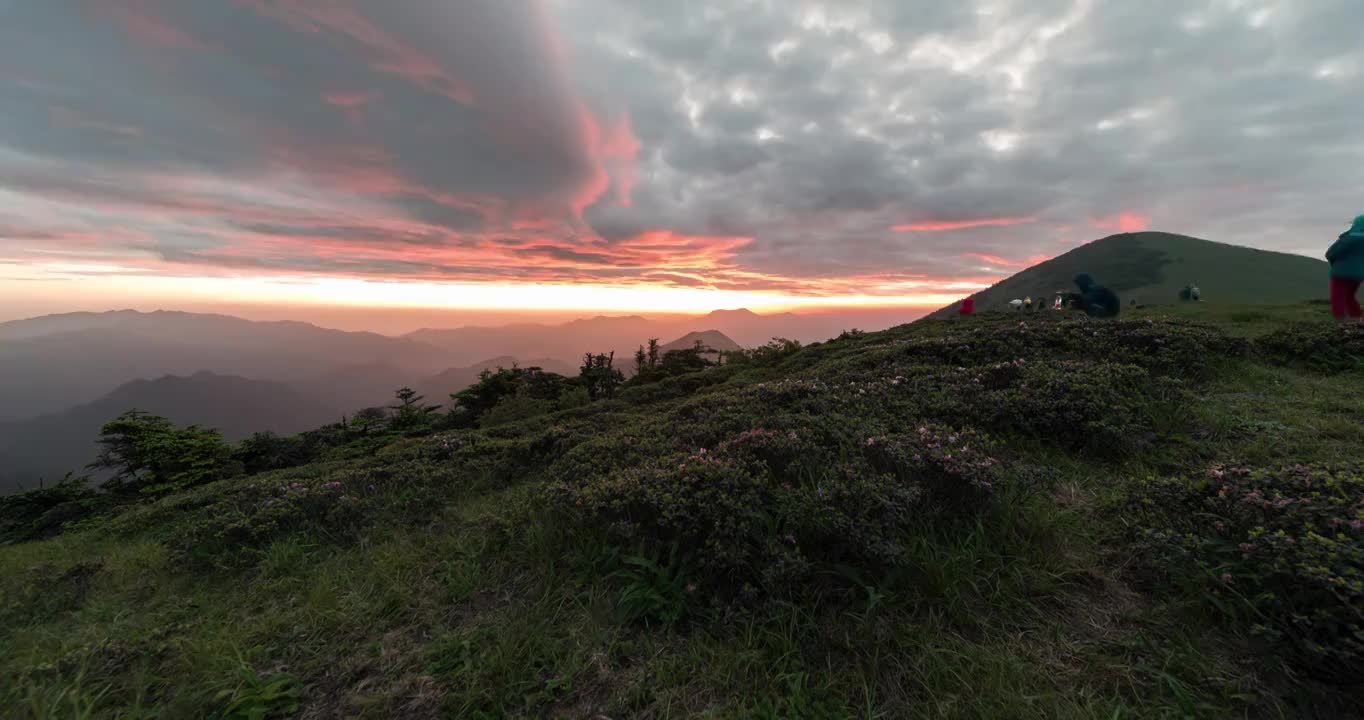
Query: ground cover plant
(1000, 516)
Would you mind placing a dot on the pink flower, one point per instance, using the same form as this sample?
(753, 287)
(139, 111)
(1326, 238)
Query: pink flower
(1226, 578)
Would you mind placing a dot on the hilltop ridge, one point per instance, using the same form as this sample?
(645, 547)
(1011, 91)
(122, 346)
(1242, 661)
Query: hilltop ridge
(1152, 267)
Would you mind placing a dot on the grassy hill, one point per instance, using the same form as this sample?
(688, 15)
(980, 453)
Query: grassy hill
(1152, 267)
(1156, 517)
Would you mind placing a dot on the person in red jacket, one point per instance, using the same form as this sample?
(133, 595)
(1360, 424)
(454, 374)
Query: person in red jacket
(968, 306)
(1346, 256)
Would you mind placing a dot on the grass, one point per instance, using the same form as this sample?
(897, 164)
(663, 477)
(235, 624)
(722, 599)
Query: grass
(491, 607)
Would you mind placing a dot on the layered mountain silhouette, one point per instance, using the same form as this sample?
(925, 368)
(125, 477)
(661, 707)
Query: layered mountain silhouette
(622, 335)
(52, 363)
(48, 447)
(79, 358)
(63, 376)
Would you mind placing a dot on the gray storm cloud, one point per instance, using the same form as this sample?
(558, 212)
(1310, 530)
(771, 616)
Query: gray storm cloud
(490, 138)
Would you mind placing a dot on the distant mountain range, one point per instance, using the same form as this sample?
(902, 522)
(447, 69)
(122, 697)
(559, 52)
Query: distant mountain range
(51, 363)
(1152, 268)
(49, 446)
(567, 342)
(63, 376)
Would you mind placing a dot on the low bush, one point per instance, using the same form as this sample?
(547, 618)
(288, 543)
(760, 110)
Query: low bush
(44, 512)
(1280, 550)
(1100, 407)
(329, 503)
(1164, 348)
(405, 482)
(1316, 346)
(763, 510)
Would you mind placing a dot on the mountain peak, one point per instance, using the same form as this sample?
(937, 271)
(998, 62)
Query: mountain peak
(1152, 267)
(732, 314)
(713, 339)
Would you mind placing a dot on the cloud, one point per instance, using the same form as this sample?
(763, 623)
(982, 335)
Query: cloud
(946, 225)
(815, 147)
(1123, 222)
(998, 261)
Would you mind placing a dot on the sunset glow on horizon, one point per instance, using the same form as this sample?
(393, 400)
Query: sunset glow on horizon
(618, 156)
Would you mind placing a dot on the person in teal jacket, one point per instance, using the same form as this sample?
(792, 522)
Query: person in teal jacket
(1346, 256)
(1095, 299)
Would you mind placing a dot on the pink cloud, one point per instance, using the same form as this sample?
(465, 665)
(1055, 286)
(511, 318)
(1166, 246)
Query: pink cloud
(147, 28)
(388, 53)
(947, 225)
(350, 98)
(1123, 222)
(1006, 262)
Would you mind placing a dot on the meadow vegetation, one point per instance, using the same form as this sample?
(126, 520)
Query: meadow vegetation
(1010, 515)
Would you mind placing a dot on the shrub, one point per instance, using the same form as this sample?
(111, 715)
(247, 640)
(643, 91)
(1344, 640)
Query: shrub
(148, 454)
(760, 511)
(1165, 348)
(512, 408)
(494, 387)
(44, 512)
(228, 523)
(265, 451)
(1278, 549)
(1316, 346)
(1094, 406)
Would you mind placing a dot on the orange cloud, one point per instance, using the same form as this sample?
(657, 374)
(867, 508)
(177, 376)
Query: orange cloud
(946, 225)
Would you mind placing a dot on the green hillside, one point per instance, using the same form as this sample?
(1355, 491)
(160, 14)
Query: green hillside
(1154, 517)
(1152, 268)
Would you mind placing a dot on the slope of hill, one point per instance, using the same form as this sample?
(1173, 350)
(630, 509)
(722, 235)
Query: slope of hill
(969, 519)
(48, 447)
(50, 364)
(1152, 267)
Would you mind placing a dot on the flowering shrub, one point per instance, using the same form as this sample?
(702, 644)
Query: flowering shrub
(1097, 406)
(330, 502)
(764, 508)
(1166, 347)
(1322, 347)
(1282, 548)
(762, 471)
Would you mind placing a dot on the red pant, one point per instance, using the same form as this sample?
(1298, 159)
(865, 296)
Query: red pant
(1344, 304)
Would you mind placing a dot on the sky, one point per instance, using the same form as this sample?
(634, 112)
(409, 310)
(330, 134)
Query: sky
(649, 155)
